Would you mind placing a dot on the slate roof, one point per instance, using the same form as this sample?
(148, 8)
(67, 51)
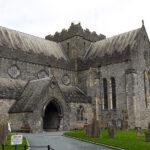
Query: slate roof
(11, 88)
(35, 90)
(30, 96)
(74, 94)
(29, 48)
(25, 42)
(108, 46)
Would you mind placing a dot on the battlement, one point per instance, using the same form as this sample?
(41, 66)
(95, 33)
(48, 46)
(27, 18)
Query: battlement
(75, 30)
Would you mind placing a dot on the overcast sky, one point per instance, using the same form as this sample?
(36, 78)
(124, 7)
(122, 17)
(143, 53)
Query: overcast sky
(42, 17)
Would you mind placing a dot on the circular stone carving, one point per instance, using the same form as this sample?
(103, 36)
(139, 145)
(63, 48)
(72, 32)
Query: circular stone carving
(66, 79)
(42, 74)
(14, 71)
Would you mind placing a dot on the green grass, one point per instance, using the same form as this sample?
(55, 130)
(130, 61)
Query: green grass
(123, 139)
(8, 142)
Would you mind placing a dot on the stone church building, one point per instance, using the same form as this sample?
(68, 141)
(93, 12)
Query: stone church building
(57, 83)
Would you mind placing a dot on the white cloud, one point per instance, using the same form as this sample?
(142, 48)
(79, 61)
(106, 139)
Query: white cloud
(41, 17)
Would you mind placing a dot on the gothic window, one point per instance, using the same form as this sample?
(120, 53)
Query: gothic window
(67, 45)
(84, 45)
(113, 86)
(146, 86)
(105, 106)
(80, 113)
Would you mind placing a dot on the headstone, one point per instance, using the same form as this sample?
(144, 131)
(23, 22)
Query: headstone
(93, 129)
(119, 124)
(111, 132)
(3, 133)
(9, 127)
(125, 120)
(147, 134)
(138, 131)
(111, 128)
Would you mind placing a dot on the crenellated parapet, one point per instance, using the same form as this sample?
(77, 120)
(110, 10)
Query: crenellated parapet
(75, 30)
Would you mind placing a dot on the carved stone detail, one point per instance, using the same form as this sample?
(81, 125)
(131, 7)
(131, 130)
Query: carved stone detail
(42, 74)
(66, 79)
(13, 71)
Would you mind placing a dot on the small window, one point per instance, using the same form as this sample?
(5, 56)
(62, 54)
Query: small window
(84, 45)
(105, 90)
(113, 86)
(145, 87)
(68, 45)
(80, 113)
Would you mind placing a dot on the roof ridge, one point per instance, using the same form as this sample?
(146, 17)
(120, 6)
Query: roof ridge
(14, 30)
(119, 35)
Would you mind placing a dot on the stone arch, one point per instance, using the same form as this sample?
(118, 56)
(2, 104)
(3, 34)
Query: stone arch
(52, 115)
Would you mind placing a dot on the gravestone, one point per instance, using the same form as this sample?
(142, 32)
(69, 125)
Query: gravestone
(93, 129)
(111, 128)
(119, 124)
(147, 134)
(138, 131)
(125, 120)
(3, 133)
(111, 132)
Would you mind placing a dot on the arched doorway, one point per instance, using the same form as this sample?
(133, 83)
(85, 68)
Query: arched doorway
(52, 116)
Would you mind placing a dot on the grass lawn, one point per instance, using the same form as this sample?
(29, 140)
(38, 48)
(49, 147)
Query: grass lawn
(8, 142)
(123, 139)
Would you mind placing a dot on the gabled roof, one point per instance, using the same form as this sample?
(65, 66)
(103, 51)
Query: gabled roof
(117, 43)
(74, 94)
(27, 47)
(35, 90)
(30, 96)
(29, 43)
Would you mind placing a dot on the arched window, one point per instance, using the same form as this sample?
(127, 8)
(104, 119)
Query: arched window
(105, 93)
(146, 85)
(80, 113)
(113, 86)
(84, 45)
(67, 45)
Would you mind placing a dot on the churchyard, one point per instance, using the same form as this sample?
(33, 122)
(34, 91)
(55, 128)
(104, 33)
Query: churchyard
(126, 139)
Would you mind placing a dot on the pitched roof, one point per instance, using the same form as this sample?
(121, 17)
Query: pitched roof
(108, 46)
(11, 88)
(26, 45)
(30, 96)
(74, 94)
(35, 90)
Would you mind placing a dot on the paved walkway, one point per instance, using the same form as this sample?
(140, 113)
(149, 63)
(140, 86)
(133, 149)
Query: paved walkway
(59, 142)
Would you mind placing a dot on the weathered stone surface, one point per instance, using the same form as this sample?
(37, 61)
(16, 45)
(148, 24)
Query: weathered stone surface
(78, 66)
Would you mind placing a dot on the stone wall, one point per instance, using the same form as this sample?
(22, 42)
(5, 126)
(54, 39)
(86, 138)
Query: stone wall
(87, 82)
(141, 63)
(29, 71)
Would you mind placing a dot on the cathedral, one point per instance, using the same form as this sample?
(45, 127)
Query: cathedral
(63, 81)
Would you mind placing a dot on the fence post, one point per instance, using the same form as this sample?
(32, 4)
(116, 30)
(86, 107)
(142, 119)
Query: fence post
(15, 147)
(25, 147)
(49, 148)
(3, 147)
